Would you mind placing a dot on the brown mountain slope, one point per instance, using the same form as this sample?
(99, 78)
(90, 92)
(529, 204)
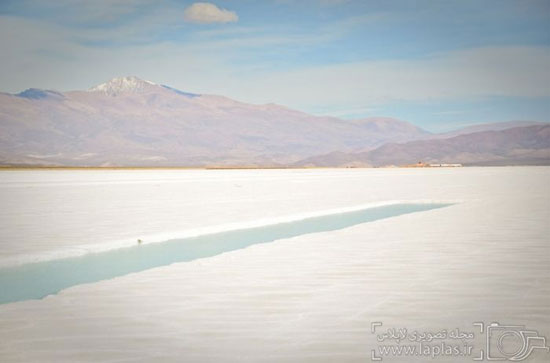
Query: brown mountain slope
(517, 146)
(128, 121)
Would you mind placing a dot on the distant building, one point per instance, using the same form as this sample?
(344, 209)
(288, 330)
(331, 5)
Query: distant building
(422, 164)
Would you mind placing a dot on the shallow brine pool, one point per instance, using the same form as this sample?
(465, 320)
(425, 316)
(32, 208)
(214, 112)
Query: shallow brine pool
(37, 280)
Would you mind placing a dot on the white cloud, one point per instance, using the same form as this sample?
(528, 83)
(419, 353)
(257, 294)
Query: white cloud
(465, 74)
(85, 11)
(208, 13)
(39, 54)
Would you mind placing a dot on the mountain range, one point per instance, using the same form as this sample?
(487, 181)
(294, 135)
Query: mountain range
(528, 145)
(131, 122)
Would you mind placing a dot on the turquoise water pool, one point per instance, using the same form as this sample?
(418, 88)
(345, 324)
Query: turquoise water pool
(37, 280)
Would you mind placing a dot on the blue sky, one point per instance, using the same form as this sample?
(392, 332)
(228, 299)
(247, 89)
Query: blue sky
(438, 64)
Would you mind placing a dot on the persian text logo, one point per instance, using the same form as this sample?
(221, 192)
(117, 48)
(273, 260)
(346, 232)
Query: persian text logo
(500, 343)
(512, 342)
(413, 343)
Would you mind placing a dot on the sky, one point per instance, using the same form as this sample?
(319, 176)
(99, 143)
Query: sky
(440, 64)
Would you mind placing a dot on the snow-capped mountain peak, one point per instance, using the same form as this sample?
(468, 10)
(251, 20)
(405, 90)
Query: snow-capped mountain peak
(130, 84)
